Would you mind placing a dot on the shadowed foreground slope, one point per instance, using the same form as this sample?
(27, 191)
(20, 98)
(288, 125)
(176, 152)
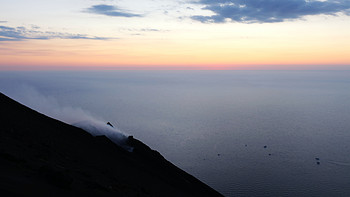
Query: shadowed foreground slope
(40, 156)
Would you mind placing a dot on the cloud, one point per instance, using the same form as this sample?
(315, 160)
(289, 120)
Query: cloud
(22, 33)
(269, 11)
(110, 10)
(10, 33)
(150, 30)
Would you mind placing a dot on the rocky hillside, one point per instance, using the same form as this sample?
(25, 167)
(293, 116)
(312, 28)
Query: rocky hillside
(41, 156)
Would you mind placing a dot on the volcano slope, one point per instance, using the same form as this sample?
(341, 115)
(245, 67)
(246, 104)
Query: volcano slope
(41, 156)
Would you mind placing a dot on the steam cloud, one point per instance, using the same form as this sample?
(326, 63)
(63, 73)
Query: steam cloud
(78, 117)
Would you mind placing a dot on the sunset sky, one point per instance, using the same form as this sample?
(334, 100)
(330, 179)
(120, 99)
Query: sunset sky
(174, 34)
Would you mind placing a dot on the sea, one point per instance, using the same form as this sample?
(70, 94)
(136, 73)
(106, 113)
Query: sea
(244, 133)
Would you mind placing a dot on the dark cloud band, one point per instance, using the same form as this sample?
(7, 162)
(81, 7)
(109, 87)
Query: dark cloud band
(109, 10)
(269, 11)
(22, 33)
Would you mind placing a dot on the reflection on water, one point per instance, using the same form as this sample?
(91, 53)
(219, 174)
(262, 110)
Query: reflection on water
(245, 133)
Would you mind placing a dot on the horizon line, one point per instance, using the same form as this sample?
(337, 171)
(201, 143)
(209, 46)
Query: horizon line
(189, 68)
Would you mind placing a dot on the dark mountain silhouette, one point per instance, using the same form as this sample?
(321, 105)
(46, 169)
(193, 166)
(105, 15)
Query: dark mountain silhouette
(41, 156)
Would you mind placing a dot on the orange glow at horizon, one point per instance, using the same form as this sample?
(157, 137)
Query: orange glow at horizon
(177, 52)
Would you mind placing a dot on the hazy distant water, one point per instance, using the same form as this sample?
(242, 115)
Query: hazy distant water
(215, 124)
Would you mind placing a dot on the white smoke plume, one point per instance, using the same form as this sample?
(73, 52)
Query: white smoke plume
(78, 117)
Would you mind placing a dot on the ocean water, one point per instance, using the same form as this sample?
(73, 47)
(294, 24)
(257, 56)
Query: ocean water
(244, 133)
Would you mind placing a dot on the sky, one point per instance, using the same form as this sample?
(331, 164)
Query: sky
(174, 34)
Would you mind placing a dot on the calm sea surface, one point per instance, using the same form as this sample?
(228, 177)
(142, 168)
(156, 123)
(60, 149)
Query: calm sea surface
(244, 133)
